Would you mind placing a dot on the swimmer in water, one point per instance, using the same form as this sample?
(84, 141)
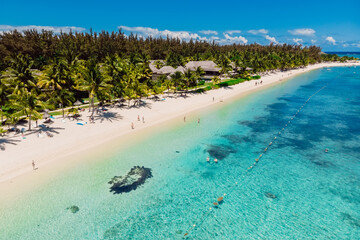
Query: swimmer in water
(208, 159)
(215, 160)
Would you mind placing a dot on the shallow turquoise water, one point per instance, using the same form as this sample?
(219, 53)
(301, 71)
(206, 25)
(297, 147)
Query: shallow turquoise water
(317, 193)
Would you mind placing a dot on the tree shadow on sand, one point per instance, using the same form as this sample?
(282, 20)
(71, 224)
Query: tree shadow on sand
(108, 116)
(7, 140)
(141, 104)
(48, 130)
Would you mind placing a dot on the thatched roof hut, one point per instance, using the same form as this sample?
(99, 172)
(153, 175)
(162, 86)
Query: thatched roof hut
(180, 69)
(167, 70)
(207, 66)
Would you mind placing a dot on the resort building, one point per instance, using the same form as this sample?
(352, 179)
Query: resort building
(210, 68)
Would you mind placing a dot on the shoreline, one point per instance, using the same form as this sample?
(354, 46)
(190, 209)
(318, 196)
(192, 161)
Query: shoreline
(74, 143)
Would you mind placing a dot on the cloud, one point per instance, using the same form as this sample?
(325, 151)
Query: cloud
(214, 38)
(153, 32)
(231, 32)
(345, 45)
(186, 36)
(302, 31)
(298, 41)
(229, 39)
(271, 39)
(255, 32)
(356, 45)
(209, 32)
(6, 28)
(313, 41)
(331, 40)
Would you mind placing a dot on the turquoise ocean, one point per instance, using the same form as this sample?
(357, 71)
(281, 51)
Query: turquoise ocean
(295, 191)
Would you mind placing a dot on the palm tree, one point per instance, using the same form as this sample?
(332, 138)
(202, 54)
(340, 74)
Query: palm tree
(92, 81)
(20, 73)
(55, 79)
(158, 88)
(189, 79)
(62, 98)
(162, 78)
(158, 64)
(168, 85)
(3, 96)
(143, 59)
(56, 75)
(199, 72)
(12, 119)
(176, 78)
(224, 63)
(27, 104)
(116, 68)
(141, 90)
(129, 94)
(73, 111)
(215, 80)
(2, 131)
(174, 60)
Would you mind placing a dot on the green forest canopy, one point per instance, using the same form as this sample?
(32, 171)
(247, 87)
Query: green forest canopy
(45, 70)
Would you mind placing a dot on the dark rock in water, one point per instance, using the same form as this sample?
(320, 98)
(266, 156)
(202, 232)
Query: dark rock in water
(177, 151)
(220, 151)
(73, 209)
(270, 195)
(351, 220)
(130, 181)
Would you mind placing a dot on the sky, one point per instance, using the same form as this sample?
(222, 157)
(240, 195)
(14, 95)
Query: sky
(332, 25)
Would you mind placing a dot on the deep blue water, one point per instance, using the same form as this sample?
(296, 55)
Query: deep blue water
(349, 54)
(296, 191)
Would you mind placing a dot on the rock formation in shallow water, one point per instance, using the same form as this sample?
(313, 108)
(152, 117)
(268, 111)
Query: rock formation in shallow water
(270, 195)
(130, 181)
(73, 209)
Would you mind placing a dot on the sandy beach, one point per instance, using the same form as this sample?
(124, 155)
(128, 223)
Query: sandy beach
(71, 141)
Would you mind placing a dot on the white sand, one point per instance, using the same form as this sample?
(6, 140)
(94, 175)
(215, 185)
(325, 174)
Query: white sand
(73, 140)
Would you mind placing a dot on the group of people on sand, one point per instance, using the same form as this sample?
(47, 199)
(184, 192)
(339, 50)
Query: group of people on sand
(208, 160)
(258, 83)
(138, 118)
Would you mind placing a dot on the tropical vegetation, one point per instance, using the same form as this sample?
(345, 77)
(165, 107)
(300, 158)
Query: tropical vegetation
(43, 70)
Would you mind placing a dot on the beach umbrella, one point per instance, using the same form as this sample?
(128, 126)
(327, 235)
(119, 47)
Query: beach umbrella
(77, 103)
(46, 115)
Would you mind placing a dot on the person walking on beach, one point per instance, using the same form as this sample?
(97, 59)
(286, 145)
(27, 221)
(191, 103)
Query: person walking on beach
(213, 99)
(143, 119)
(184, 118)
(198, 120)
(33, 164)
(138, 117)
(132, 125)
